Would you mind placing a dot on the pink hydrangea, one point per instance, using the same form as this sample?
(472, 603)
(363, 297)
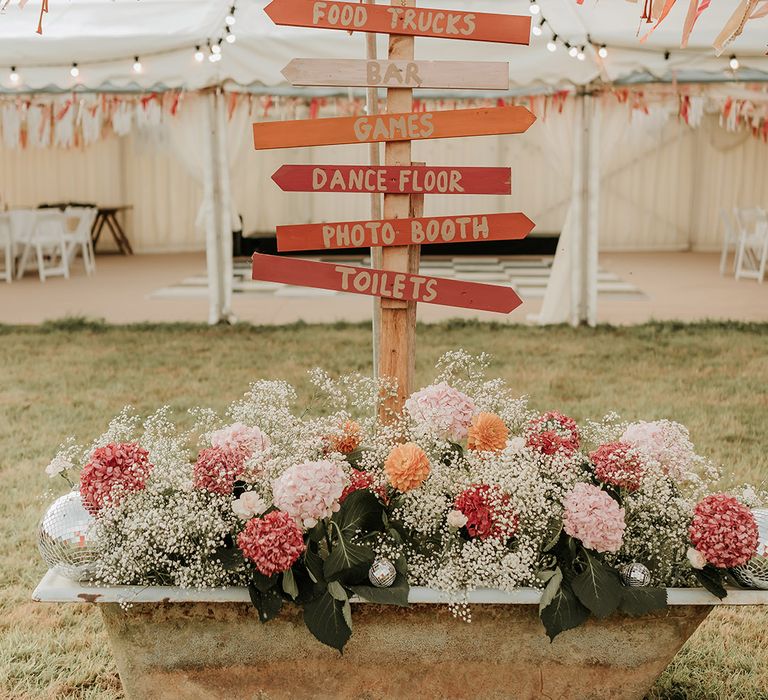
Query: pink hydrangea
(217, 469)
(553, 432)
(310, 491)
(240, 436)
(440, 409)
(593, 517)
(273, 543)
(724, 531)
(618, 464)
(113, 470)
(664, 442)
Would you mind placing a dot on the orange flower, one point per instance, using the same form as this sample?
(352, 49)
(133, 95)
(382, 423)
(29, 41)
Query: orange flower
(487, 433)
(349, 440)
(407, 467)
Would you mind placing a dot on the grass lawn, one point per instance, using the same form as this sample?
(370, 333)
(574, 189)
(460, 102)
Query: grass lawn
(69, 378)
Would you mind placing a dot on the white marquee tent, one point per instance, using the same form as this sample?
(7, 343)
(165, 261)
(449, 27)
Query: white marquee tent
(658, 177)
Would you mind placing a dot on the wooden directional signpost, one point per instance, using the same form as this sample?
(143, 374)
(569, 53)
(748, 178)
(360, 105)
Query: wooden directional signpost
(403, 229)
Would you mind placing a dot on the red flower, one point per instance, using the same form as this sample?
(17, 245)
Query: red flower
(358, 479)
(618, 464)
(217, 469)
(553, 432)
(114, 470)
(273, 543)
(724, 531)
(488, 512)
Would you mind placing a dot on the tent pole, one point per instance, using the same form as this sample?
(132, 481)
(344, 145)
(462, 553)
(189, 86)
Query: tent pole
(226, 214)
(212, 204)
(592, 230)
(577, 219)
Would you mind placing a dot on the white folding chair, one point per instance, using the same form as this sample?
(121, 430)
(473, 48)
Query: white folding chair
(22, 228)
(81, 236)
(730, 237)
(6, 243)
(752, 254)
(48, 241)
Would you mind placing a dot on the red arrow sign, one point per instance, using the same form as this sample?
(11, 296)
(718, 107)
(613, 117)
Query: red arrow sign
(381, 283)
(393, 179)
(444, 24)
(406, 126)
(417, 231)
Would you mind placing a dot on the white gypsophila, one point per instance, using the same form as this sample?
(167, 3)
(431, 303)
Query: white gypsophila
(122, 428)
(58, 465)
(608, 429)
(167, 537)
(353, 391)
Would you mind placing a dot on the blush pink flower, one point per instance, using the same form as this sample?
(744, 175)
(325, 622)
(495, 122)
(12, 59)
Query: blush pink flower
(488, 512)
(618, 464)
(239, 436)
(724, 531)
(273, 543)
(217, 469)
(310, 491)
(553, 432)
(664, 442)
(440, 409)
(113, 471)
(593, 517)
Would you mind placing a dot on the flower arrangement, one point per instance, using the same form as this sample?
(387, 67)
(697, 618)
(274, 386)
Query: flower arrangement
(468, 488)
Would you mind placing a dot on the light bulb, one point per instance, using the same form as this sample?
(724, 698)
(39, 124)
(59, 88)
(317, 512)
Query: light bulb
(573, 52)
(215, 49)
(580, 55)
(231, 38)
(734, 63)
(534, 8)
(14, 76)
(551, 46)
(536, 29)
(137, 65)
(230, 18)
(199, 55)
(74, 71)
(602, 52)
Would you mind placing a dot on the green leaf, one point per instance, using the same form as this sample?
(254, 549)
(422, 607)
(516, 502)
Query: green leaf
(348, 561)
(396, 594)
(361, 511)
(598, 587)
(289, 584)
(641, 601)
(551, 589)
(355, 456)
(563, 613)
(553, 540)
(264, 583)
(453, 453)
(324, 617)
(712, 580)
(267, 603)
(337, 591)
(346, 611)
(314, 563)
(230, 556)
(317, 533)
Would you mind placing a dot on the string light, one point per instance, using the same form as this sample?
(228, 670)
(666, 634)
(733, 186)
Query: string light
(231, 38)
(534, 8)
(551, 45)
(602, 51)
(537, 28)
(572, 50)
(137, 67)
(199, 55)
(734, 63)
(74, 71)
(215, 49)
(580, 54)
(230, 18)
(14, 77)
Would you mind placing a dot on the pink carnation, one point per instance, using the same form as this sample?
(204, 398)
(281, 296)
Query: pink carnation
(618, 464)
(114, 470)
(664, 442)
(724, 531)
(553, 432)
(217, 469)
(488, 512)
(273, 543)
(593, 517)
(239, 436)
(310, 491)
(441, 409)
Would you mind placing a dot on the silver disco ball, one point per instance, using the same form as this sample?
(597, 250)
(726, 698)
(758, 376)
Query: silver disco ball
(382, 573)
(65, 538)
(754, 574)
(635, 575)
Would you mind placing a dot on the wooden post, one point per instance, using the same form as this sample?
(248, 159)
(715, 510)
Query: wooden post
(397, 353)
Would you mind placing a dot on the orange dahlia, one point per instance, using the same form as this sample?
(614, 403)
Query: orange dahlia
(487, 433)
(407, 467)
(349, 440)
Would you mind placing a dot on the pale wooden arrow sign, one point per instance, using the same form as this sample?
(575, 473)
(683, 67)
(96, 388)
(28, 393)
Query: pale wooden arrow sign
(451, 75)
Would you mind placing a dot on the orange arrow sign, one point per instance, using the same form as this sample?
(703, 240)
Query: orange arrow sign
(417, 231)
(385, 283)
(444, 24)
(407, 126)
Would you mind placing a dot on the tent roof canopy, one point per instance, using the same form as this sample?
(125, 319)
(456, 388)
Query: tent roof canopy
(103, 36)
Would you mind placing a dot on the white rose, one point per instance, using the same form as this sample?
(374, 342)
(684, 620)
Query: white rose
(697, 559)
(516, 444)
(249, 505)
(456, 519)
(57, 466)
